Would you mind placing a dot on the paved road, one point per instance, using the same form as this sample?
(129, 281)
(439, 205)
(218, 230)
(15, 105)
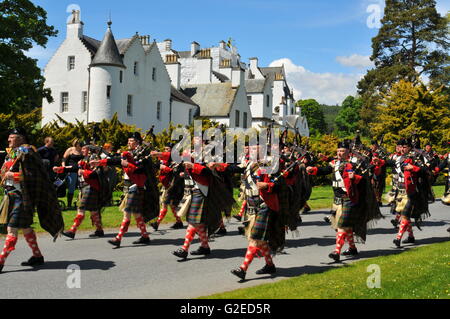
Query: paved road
(153, 272)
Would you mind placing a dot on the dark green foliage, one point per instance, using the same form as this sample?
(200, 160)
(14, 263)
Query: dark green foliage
(313, 112)
(22, 25)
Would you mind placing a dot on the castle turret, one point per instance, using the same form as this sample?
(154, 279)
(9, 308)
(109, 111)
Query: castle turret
(106, 72)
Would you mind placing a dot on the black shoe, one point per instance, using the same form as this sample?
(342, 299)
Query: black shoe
(350, 252)
(267, 269)
(409, 240)
(33, 261)
(448, 229)
(97, 234)
(239, 272)
(181, 253)
(306, 210)
(237, 217)
(1, 268)
(394, 223)
(178, 225)
(68, 234)
(397, 242)
(202, 251)
(334, 256)
(241, 230)
(155, 226)
(114, 242)
(221, 231)
(142, 240)
(327, 219)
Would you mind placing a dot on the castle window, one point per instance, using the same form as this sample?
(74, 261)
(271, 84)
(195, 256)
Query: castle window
(71, 63)
(121, 76)
(249, 100)
(154, 74)
(130, 105)
(158, 111)
(65, 102)
(108, 91)
(267, 100)
(238, 120)
(84, 101)
(136, 68)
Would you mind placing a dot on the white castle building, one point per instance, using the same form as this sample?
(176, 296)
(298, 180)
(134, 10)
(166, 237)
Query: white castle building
(151, 84)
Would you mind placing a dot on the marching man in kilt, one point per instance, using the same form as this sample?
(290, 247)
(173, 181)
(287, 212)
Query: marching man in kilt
(397, 177)
(89, 198)
(139, 192)
(412, 201)
(261, 208)
(173, 187)
(27, 187)
(353, 210)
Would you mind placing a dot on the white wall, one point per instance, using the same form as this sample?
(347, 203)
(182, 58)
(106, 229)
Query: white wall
(60, 79)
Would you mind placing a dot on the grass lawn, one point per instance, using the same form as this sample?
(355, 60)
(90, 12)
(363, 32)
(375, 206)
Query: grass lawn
(419, 273)
(321, 198)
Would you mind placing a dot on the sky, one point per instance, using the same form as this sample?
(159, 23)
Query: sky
(324, 45)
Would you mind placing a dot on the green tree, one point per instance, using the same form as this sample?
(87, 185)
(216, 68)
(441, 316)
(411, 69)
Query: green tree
(347, 121)
(413, 41)
(413, 107)
(312, 111)
(22, 25)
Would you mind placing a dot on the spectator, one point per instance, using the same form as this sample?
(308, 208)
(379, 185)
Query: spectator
(71, 158)
(49, 155)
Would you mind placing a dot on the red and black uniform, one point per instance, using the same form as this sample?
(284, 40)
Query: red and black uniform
(133, 203)
(379, 176)
(89, 198)
(172, 191)
(262, 206)
(197, 182)
(346, 200)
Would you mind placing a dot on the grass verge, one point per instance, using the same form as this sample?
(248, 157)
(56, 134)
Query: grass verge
(419, 273)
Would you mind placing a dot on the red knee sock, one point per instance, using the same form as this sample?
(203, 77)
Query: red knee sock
(266, 253)
(244, 205)
(161, 216)
(340, 240)
(174, 212)
(141, 224)
(77, 222)
(96, 221)
(123, 229)
(190, 233)
(410, 230)
(201, 231)
(403, 227)
(10, 245)
(32, 242)
(251, 253)
(350, 239)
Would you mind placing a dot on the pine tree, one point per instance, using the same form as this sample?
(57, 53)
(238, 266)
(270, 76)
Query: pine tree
(413, 42)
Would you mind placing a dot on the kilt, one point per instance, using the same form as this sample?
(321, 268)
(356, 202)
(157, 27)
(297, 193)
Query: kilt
(134, 200)
(89, 199)
(346, 218)
(407, 204)
(260, 227)
(17, 216)
(195, 214)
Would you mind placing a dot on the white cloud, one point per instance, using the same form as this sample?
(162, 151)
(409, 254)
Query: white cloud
(442, 8)
(356, 61)
(39, 53)
(326, 88)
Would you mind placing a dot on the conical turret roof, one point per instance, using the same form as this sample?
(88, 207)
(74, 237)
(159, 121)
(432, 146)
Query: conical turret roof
(108, 53)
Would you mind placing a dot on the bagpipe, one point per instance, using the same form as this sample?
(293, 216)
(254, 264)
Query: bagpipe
(19, 154)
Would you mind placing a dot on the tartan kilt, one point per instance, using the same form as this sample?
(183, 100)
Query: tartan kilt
(134, 201)
(168, 199)
(259, 230)
(89, 199)
(347, 218)
(18, 217)
(195, 213)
